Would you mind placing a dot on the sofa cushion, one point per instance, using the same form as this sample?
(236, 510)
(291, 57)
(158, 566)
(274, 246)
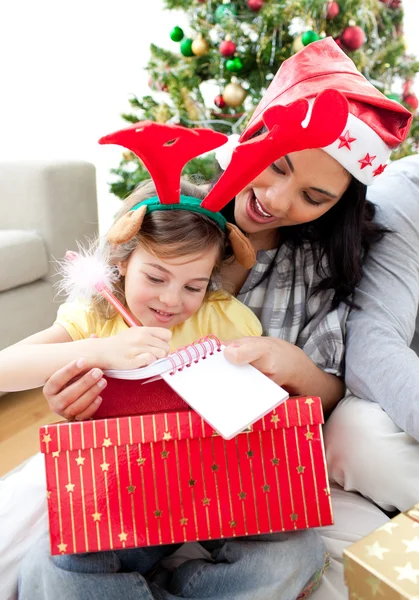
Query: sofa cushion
(23, 258)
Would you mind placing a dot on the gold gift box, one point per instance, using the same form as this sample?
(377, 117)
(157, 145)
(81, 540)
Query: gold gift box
(385, 564)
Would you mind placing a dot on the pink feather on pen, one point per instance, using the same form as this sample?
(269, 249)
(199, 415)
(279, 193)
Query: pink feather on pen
(85, 274)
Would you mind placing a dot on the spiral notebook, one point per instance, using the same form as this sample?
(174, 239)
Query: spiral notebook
(229, 397)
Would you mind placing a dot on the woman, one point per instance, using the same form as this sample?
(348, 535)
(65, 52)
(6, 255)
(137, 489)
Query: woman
(308, 218)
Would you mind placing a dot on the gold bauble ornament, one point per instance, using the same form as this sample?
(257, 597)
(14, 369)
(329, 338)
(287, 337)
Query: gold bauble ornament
(200, 46)
(234, 94)
(297, 44)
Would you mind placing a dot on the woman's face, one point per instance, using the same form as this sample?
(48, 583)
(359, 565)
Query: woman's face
(297, 188)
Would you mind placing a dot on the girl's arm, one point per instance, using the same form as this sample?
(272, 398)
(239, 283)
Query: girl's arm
(288, 366)
(29, 363)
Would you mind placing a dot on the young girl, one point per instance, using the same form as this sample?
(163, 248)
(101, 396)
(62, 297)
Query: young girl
(165, 271)
(165, 274)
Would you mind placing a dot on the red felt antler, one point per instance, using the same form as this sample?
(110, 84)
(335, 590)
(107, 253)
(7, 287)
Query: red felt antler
(164, 150)
(285, 134)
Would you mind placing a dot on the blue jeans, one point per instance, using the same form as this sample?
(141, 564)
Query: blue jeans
(267, 567)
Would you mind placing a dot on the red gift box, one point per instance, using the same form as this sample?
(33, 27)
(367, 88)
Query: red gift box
(168, 478)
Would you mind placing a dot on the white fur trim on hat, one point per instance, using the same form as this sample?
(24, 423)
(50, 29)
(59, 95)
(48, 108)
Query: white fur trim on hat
(358, 149)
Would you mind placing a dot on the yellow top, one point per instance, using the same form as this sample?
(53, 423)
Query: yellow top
(227, 318)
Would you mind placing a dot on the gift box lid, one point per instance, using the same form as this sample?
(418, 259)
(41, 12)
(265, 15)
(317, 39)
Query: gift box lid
(385, 564)
(176, 425)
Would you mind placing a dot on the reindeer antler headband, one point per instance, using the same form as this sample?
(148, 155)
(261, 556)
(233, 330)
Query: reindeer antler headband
(165, 149)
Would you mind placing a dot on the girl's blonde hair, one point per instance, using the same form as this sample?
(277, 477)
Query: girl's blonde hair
(164, 233)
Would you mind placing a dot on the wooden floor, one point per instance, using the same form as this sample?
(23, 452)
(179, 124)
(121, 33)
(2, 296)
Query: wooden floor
(21, 416)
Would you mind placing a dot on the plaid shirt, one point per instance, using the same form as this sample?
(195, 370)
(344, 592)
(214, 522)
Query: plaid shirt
(288, 307)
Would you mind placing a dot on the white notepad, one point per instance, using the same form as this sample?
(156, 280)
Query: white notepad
(230, 398)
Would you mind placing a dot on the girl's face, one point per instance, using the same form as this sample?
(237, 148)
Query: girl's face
(164, 293)
(297, 188)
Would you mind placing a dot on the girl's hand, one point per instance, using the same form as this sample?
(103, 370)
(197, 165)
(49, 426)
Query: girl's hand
(279, 360)
(134, 347)
(74, 393)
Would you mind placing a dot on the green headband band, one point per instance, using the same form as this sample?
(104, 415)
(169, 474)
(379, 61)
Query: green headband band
(186, 203)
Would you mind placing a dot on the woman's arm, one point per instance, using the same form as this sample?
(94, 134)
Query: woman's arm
(288, 366)
(31, 362)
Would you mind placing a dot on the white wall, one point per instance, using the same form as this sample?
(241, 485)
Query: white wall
(67, 69)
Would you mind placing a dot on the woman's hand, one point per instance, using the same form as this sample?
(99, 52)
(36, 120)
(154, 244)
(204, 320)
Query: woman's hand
(288, 366)
(133, 348)
(277, 359)
(74, 392)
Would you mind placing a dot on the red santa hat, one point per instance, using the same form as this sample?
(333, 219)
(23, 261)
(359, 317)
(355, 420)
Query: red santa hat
(375, 124)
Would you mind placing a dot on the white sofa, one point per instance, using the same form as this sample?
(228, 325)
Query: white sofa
(45, 206)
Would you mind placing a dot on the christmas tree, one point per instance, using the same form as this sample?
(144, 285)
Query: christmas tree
(238, 46)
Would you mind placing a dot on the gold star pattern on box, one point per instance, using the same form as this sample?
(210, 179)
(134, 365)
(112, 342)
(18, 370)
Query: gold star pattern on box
(56, 454)
(158, 513)
(309, 401)
(70, 487)
(123, 536)
(131, 489)
(233, 523)
(140, 461)
(206, 501)
(104, 466)
(275, 461)
(294, 517)
(309, 436)
(183, 521)
(250, 454)
(266, 488)
(242, 495)
(48, 494)
(164, 454)
(107, 442)
(300, 469)
(214, 468)
(385, 564)
(275, 419)
(46, 438)
(376, 550)
(80, 461)
(96, 516)
(62, 548)
(167, 436)
(192, 482)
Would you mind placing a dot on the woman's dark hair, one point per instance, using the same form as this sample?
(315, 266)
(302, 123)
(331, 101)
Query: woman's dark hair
(343, 235)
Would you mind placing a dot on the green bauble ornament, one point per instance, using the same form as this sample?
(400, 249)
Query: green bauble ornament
(393, 97)
(309, 36)
(224, 12)
(176, 34)
(234, 65)
(186, 47)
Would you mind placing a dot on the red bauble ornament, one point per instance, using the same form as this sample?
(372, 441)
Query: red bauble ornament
(227, 48)
(353, 37)
(339, 42)
(219, 101)
(332, 10)
(412, 101)
(255, 5)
